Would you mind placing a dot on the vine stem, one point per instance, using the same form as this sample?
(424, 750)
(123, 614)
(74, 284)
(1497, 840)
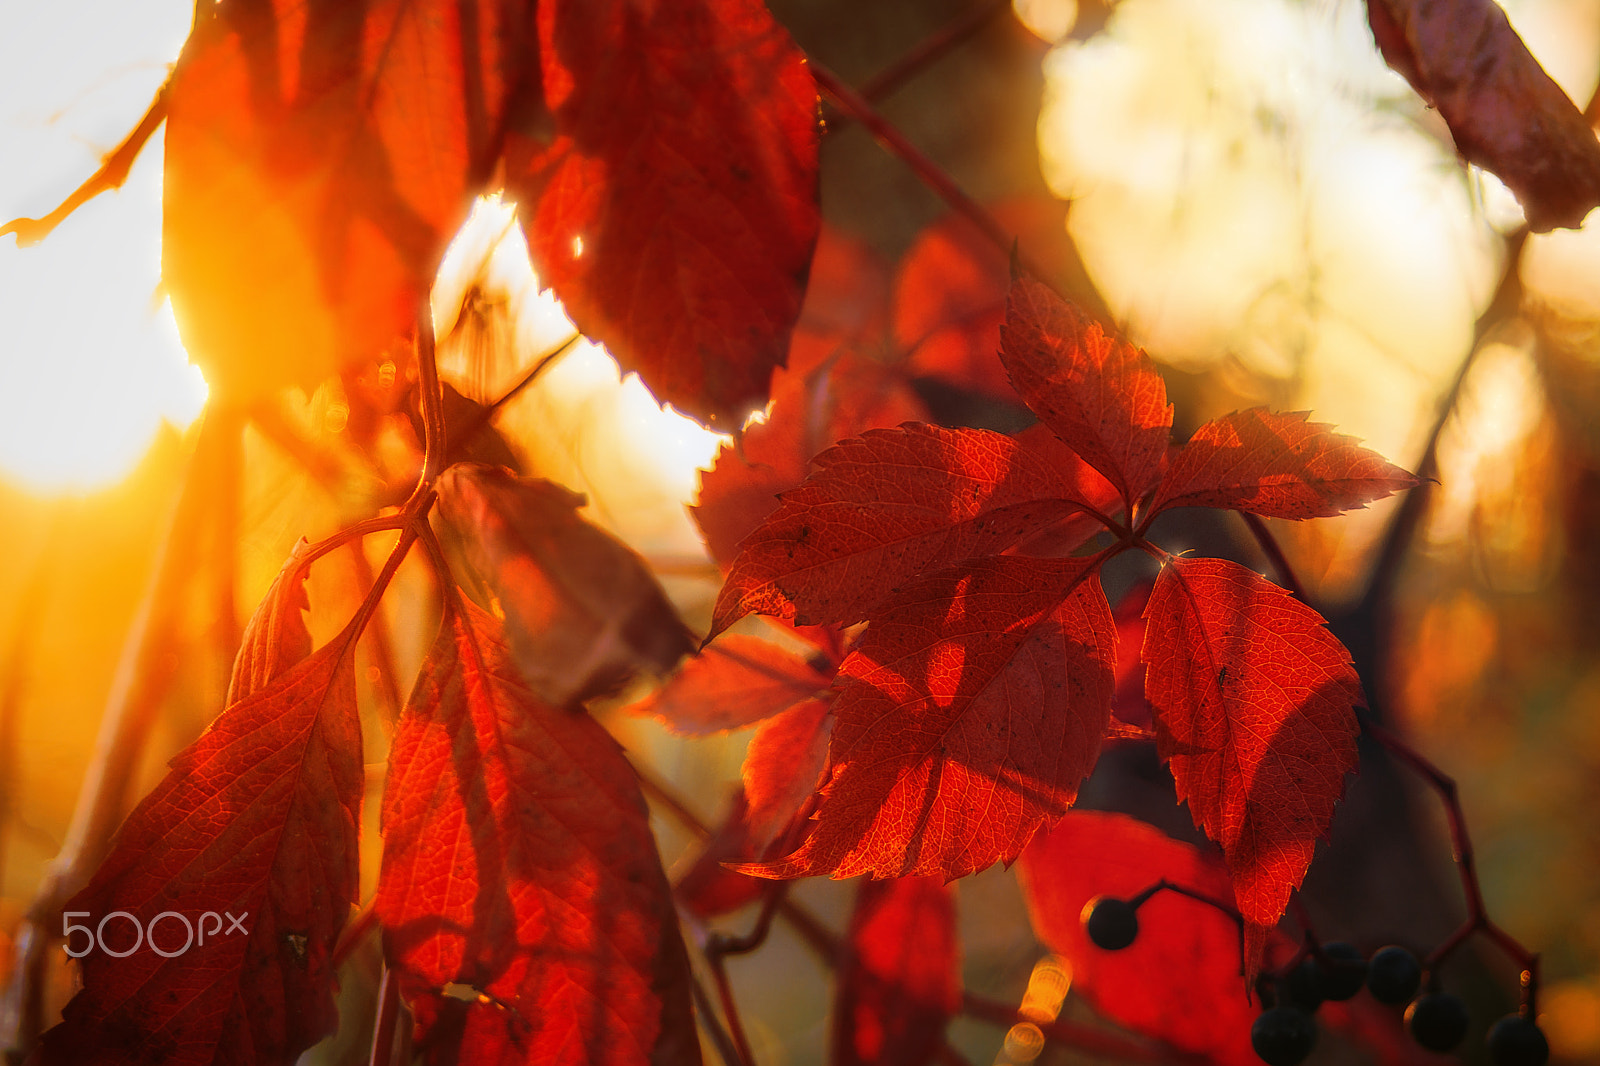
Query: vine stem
(708, 1016)
(825, 944)
(853, 104)
(926, 52)
(1477, 919)
(387, 1021)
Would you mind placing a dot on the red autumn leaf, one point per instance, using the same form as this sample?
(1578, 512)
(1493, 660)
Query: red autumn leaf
(1504, 111)
(1254, 704)
(318, 160)
(734, 681)
(813, 406)
(1100, 394)
(1179, 980)
(582, 609)
(900, 980)
(518, 863)
(882, 508)
(1277, 465)
(673, 206)
(255, 821)
(782, 766)
(969, 714)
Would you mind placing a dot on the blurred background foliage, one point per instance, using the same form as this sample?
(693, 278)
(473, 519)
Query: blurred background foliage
(1246, 189)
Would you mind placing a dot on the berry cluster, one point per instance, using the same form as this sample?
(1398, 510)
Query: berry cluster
(1286, 1031)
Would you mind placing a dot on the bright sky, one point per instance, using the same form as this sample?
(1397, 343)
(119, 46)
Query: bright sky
(89, 356)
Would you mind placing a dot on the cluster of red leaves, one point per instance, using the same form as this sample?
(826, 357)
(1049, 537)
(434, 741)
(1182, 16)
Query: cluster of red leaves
(525, 912)
(976, 701)
(319, 160)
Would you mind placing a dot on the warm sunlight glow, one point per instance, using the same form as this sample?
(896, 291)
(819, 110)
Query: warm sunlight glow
(1254, 190)
(1050, 20)
(91, 362)
(582, 423)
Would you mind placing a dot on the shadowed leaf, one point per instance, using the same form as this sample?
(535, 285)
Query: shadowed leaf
(1504, 111)
(731, 683)
(518, 863)
(582, 610)
(255, 820)
(673, 205)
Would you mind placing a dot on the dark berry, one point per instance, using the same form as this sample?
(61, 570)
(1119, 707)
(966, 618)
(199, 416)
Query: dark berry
(1343, 973)
(1438, 1020)
(1302, 988)
(1517, 1041)
(1112, 923)
(1393, 976)
(1283, 1036)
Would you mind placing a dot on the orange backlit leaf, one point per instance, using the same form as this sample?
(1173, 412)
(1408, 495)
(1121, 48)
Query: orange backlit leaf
(673, 205)
(1254, 706)
(1100, 394)
(969, 714)
(882, 508)
(518, 863)
(256, 820)
(900, 981)
(582, 609)
(1277, 465)
(318, 160)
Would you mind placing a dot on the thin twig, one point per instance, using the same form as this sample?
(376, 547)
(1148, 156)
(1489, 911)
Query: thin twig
(730, 1011)
(479, 419)
(383, 1028)
(1274, 553)
(926, 52)
(852, 104)
(112, 173)
(707, 1012)
(434, 445)
(1477, 920)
